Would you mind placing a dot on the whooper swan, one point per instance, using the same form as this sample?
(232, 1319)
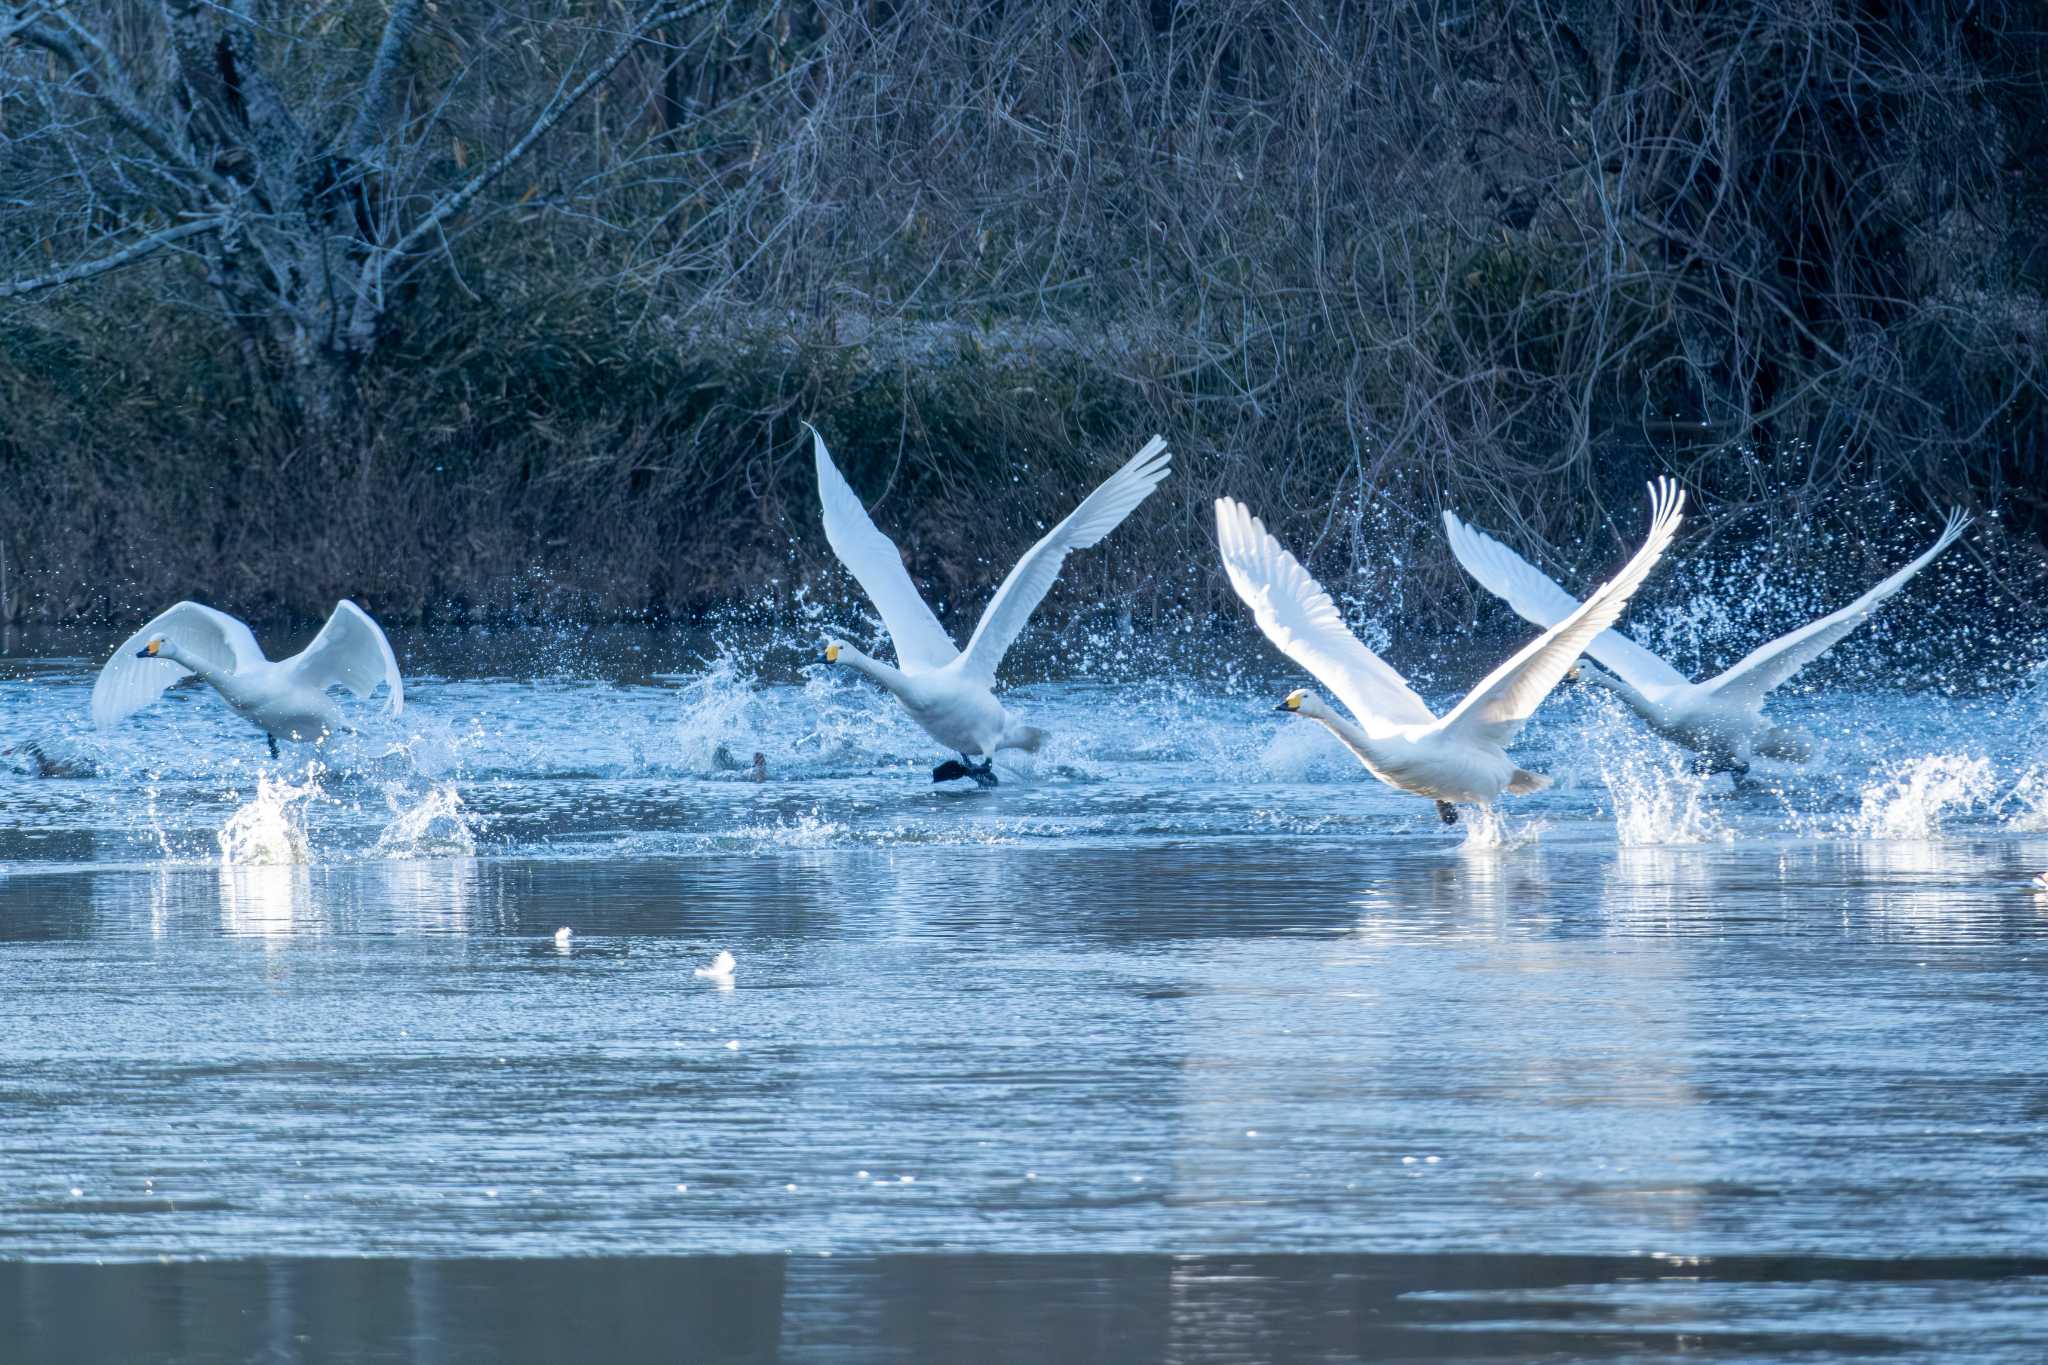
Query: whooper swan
(1722, 718)
(286, 699)
(947, 691)
(1461, 757)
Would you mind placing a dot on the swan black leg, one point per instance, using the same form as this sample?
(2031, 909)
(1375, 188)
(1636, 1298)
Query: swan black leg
(955, 768)
(273, 746)
(1447, 812)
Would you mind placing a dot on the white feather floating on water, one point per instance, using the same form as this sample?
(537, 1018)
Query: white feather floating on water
(720, 970)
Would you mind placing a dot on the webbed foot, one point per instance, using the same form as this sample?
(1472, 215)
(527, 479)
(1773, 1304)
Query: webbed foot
(955, 768)
(273, 746)
(1447, 812)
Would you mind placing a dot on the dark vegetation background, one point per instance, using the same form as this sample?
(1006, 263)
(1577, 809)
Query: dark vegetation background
(473, 308)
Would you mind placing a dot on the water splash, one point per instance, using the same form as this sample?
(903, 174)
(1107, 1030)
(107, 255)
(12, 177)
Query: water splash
(437, 827)
(1487, 830)
(1658, 799)
(716, 718)
(808, 830)
(271, 829)
(719, 971)
(1911, 802)
(2026, 804)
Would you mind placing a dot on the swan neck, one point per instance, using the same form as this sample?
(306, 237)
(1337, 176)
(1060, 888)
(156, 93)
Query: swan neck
(882, 673)
(1633, 699)
(206, 671)
(1354, 738)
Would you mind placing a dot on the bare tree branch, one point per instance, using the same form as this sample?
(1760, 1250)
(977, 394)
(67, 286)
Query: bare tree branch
(370, 283)
(556, 110)
(127, 255)
(363, 129)
(108, 86)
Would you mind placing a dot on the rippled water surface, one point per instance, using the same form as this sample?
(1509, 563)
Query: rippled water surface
(1187, 982)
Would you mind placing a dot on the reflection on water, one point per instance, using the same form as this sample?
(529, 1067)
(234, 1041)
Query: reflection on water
(269, 901)
(1233, 1044)
(1033, 1308)
(1189, 981)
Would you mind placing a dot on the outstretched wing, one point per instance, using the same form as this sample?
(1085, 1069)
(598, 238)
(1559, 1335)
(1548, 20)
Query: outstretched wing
(921, 642)
(1099, 513)
(350, 651)
(129, 683)
(1494, 711)
(1763, 668)
(1542, 603)
(1301, 620)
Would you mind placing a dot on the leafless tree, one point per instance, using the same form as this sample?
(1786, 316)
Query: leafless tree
(303, 186)
(1358, 260)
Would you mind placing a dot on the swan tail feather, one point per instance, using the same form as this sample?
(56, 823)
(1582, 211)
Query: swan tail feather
(1025, 737)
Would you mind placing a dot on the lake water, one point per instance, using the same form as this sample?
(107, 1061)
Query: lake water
(1188, 1041)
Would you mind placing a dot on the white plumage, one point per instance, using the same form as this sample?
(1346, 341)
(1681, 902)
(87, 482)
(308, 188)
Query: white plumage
(1722, 718)
(947, 691)
(287, 699)
(1461, 757)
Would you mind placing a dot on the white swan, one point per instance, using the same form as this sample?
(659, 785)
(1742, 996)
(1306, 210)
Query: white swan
(1463, 755)
(286, 699)
(1722, 718)
(947, 691)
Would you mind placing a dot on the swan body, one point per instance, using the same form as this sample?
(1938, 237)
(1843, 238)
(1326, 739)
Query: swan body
(285, 698)
(1460, 757)
(1721, 718)
(947, 691)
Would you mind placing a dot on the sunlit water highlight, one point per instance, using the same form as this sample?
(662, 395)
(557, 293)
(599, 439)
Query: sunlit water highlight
(1188, 980)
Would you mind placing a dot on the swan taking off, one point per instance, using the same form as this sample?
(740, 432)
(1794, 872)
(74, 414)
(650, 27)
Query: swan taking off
(286, 700)
(1722, 718)
(1463, 756)
(947, 691)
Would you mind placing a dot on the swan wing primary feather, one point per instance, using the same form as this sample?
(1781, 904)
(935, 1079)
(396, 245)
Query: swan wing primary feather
(128, 683)
(1495, 710)
(1542, 603)
(872, 558)
(1766, 666)
(1299, 618)
(350, 651)
(1099, 513)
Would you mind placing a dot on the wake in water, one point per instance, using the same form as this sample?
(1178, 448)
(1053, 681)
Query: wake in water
(592, 764)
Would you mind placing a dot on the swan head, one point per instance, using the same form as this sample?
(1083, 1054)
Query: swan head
(1300, 701)
(833, 649)
(154, 649)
